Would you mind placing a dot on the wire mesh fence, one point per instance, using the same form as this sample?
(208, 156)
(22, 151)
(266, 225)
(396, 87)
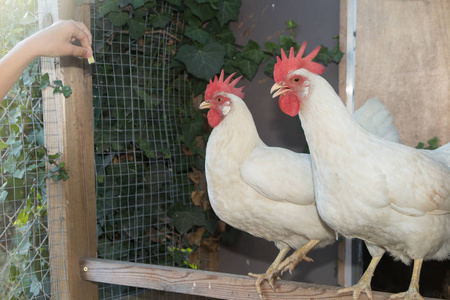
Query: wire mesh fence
(26, 172)
(142, 169)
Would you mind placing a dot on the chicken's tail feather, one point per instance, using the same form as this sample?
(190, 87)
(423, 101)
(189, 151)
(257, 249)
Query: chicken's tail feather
(374, 117)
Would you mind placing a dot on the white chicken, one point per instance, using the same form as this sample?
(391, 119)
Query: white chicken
(265, 191)
(394, 197)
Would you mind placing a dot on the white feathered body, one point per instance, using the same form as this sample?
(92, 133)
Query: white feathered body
(265, 191)
(394, 197)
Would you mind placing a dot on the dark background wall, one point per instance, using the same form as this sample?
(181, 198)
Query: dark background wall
(262, 20)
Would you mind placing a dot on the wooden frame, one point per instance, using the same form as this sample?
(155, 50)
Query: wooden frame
(77, 228)
(202, 283)
(69, 130)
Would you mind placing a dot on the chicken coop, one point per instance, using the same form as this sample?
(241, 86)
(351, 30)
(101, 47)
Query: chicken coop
(102, 179)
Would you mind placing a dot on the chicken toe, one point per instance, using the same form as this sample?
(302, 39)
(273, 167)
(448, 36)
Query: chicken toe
(413, 291)
(363, 285)
(292, 261)
(272, 272)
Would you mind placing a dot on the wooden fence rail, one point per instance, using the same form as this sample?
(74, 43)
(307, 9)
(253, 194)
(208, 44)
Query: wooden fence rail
(202, 283)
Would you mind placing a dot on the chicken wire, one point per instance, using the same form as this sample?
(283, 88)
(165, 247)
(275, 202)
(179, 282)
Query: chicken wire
(26, 251)
(141, 169)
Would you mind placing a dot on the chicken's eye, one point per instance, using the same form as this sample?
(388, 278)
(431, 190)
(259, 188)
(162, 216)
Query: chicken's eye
(219, 99)
(296, 79)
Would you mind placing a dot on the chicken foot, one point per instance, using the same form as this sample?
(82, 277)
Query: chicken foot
(363, 284)
(413, 291)
(300, 254)
(271, 272)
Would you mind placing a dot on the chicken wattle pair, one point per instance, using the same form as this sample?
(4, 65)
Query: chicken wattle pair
(397, 198)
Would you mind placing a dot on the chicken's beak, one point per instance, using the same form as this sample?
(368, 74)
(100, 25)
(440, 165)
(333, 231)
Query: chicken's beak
(280, 89)
(205, 104)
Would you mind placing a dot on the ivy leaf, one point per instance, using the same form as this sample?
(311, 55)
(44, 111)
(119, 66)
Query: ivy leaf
(286, 42)
(226, 36)
(3, 145)
(137, 28)
(197, 34)
(192, 127)
(202, 62)
(119, 18)
(184, 217)
(248, 67)
(253, 52)
(45, 81)
(228, 11)
(203, 11)
(198, 86)
(107, 7)
(291, 24)
(159, 21)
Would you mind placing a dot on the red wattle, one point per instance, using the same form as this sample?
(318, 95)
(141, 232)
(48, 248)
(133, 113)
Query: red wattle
(289, 104)
(214, 118)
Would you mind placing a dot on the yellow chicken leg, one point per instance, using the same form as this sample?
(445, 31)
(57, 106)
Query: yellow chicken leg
(363, 284)
(413, 291)
(292, 261)
(270, 273)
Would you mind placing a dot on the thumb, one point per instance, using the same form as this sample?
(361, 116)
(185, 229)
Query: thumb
(79, 51)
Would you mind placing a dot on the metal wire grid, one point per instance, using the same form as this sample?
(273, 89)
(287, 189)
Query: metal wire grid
(25, 253)
(140, 166)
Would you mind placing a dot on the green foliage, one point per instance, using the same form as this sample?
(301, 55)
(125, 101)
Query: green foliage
(432, 144)
(26, 167)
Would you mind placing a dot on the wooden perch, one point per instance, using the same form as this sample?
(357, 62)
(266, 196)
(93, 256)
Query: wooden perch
(201, 283)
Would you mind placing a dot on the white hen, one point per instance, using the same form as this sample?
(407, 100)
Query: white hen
(265, 191)
(396, 198)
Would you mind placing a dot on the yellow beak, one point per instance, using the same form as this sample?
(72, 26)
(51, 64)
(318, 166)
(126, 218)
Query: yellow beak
(280, 89)
(205, 104)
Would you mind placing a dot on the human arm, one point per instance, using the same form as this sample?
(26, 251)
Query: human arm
(55, 40)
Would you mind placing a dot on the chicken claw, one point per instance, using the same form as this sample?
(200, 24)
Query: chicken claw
(271, 273)
(363, 284)
(292, 261)
(413, 292)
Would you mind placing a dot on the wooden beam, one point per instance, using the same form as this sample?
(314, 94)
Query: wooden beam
(69, 131)
(201, 283)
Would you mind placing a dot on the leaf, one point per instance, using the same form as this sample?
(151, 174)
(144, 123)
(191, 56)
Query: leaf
(137, 28)
(119, 18)
(248, 67)
(3, 145)
(45, 81)
(203, 11)
(198, 86)
(107, 7)
(290, 24)
(197, 34)
(184, 220)
(160, 20)
(192, 127)
(253, 52)
(202, 62)
(228, 11)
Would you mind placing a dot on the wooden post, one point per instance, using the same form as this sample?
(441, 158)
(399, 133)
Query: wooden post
(402, 58)
(69, 130)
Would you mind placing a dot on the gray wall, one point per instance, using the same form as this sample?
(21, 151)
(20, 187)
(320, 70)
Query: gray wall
(261, 20)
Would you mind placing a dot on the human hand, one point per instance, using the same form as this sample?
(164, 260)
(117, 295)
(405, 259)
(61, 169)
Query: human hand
(56, 40)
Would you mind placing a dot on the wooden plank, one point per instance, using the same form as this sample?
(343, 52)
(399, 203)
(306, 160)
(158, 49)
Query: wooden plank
(402, 58)
(201, 283)
(79, 156)
(69, 130)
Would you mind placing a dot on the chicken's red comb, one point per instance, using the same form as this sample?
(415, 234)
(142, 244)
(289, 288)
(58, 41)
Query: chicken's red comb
(284, 65)
(219, 85)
